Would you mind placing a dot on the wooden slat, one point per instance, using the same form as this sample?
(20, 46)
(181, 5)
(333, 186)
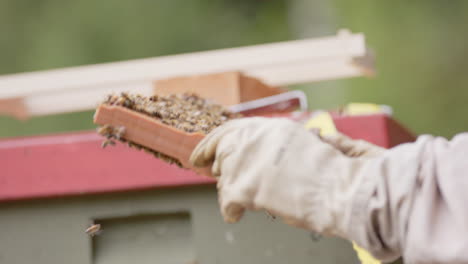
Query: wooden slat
(278, 64)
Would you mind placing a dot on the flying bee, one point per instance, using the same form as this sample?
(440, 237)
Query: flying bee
(270, 215)
(93, 230)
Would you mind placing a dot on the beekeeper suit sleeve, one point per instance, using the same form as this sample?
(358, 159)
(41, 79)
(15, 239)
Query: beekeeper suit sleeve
(419, 205)
(409, 201)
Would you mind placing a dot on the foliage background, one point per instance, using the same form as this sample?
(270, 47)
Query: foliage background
(421, 47)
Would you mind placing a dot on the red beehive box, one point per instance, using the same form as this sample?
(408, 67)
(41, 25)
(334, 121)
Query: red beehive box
(75, 164)
(379, 129)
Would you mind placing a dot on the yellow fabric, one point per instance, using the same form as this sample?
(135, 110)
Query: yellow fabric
(364, 256)
(362, 108)
(324, 122)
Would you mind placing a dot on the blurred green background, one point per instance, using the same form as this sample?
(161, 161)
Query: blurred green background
(420, 47)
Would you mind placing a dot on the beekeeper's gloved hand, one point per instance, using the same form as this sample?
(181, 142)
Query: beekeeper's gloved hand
(278, 166)
(410, 200)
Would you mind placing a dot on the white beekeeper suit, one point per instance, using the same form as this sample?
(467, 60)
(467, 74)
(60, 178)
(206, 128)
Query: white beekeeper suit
(409, 201)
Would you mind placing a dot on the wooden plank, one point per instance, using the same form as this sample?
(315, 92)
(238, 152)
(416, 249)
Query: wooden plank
(277, 64)
(344, 45)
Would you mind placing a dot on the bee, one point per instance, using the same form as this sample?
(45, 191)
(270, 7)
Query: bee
(137, 147)
(270, 215)
(315, 236)
(111, 98)
(119, 132)
(93, 230)
(126, 100)
(107, 142)
(147, 150)
(120, 101)
(105, 130)
(133, 145)
(125, 95)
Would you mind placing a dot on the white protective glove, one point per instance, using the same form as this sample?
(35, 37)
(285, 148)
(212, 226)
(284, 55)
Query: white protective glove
(277, 165)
